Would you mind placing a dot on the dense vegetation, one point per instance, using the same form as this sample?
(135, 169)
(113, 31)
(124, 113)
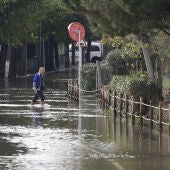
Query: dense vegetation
(138, 31)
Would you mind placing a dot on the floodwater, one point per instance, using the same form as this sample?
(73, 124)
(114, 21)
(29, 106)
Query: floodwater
(65, 136)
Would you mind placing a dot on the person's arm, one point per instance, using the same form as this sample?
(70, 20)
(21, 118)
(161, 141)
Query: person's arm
(34, 87)
(34, 84)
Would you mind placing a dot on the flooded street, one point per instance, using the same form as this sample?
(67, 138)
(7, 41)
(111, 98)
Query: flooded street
(63, 136)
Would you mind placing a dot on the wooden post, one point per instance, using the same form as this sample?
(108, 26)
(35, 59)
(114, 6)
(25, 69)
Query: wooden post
(127, 105)
(77, 90)
(69, 88)
(141, 111)
(160, 115)
(169, 118)
(110, 99)
(133, 111)
(114, 102)
(102, 96)
(120, 108)
(98, 75)
(106, 100)
(105, 97)
(100, 92)
(151, 114)
(74, 90)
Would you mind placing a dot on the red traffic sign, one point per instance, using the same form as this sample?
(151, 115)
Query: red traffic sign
(74, 28)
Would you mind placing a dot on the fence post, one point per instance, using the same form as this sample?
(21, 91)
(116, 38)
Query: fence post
(151, 114)
(73, 89)
(114, 102)
(100, 92)
(103, 99)
(160, 115)
(141, 111)
(127, 105)
(104, 96)
(110, 98)
(120, 109)
(69, 88)
(77, 89)
(169, 117)
(107, 99)
(133, 111)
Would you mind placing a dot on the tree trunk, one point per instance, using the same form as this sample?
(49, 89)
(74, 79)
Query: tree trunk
(48, 54)
(159, 77)
(73, 54)
(20, 58)
(56, 54)
(3, 60)
(7, 63)
(66, 54)
(15, 58)
(25, 57)
(88, 51)
(159, 72)
(83, 55)
(148, 62)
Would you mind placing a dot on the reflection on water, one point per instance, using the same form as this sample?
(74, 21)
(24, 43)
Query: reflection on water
(64, 136)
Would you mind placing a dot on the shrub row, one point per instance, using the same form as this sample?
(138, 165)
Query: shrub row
(135, 85)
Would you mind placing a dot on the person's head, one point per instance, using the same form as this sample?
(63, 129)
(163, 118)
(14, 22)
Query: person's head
(41, 70)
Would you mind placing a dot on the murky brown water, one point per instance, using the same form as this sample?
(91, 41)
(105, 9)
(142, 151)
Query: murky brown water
(63, 136)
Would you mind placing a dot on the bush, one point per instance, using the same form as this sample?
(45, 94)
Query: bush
(118, 65)
(136, 85)
(106, 77)
(88, 76)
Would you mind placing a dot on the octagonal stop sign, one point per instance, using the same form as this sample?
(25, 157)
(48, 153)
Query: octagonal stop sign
(74, 28)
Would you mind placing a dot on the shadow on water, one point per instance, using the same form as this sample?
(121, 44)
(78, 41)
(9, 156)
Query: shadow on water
(64, 136)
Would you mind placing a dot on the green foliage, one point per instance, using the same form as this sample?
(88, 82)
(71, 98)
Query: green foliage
(118, 65)
(130, 45)
(159, 44)
(125, 54)
(106, 77)
(88, 76)
(18, 21)
(136, 85)
(123, 17)
(21, 21)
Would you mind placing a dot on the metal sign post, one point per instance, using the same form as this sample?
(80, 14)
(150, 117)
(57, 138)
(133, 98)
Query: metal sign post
(80, 64)
(77, 33)
(79, 82)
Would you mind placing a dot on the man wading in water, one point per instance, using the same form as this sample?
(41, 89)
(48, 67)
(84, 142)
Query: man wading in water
(38, 86)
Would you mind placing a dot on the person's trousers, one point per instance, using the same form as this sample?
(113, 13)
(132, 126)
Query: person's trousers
(40, 95)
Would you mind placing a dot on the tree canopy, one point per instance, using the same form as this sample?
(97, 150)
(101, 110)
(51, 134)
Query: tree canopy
(20, 20)
(122, 16)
